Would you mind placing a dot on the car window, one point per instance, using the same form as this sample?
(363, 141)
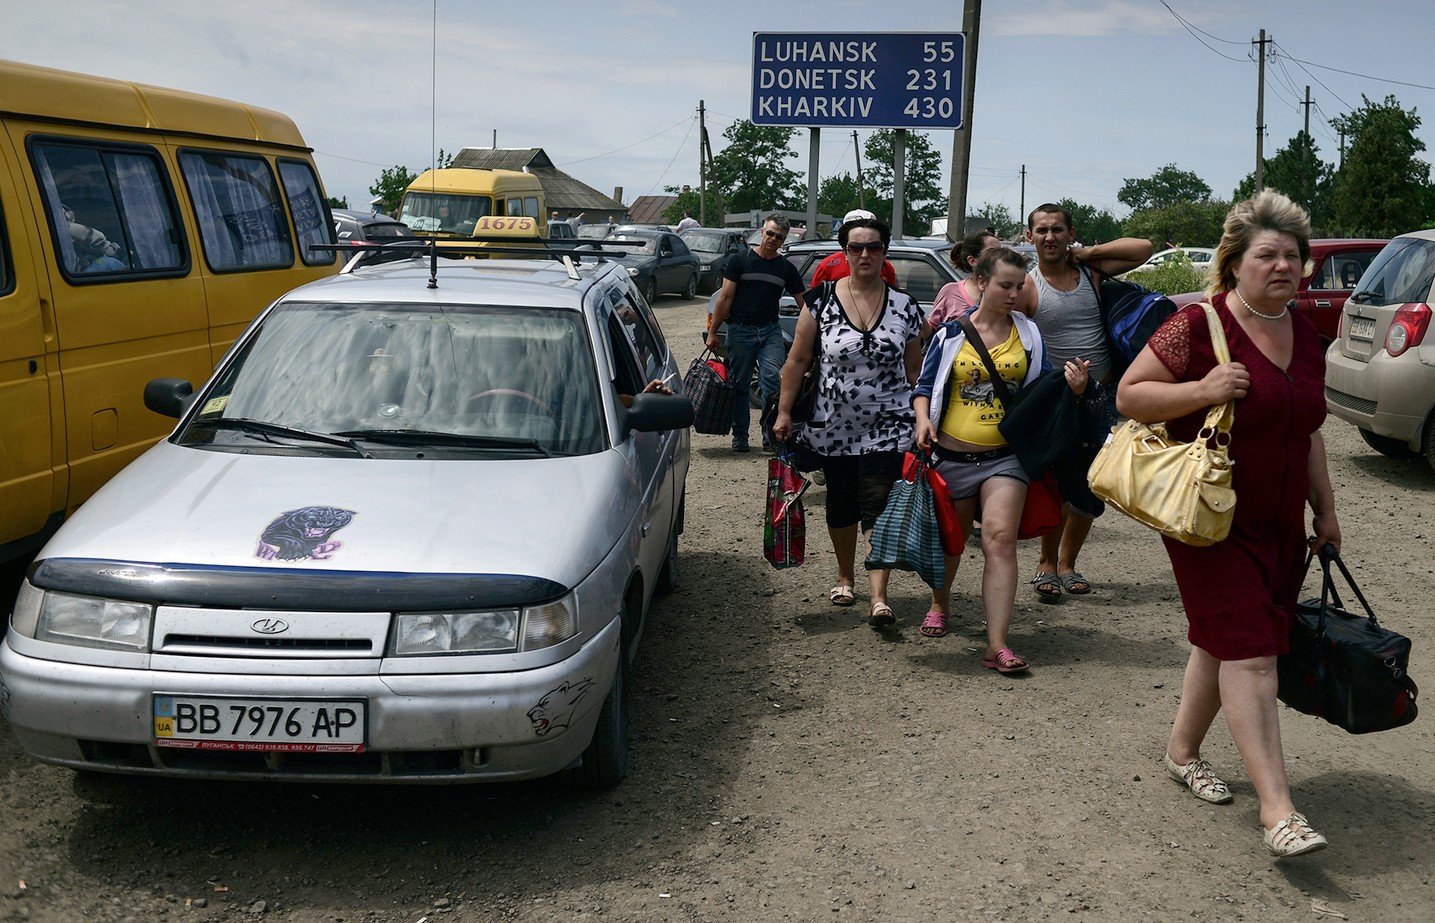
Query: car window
(515, 373)
(1403, 272)
(7, 273)
(241, 222)
(454, 214)
(705, 241)
(1342, 270)
(530, 206)
(917, 277)
(679, 248)
(111, 210)
(627, 377)
(310, 212)
(649, 348)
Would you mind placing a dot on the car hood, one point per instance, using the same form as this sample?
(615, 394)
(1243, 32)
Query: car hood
(550, 518)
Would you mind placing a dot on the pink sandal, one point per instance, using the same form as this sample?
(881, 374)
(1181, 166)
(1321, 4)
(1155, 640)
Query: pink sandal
(934, 625)
(1006, 662)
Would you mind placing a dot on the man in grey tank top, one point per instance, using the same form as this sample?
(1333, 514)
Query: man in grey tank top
(1061, 298)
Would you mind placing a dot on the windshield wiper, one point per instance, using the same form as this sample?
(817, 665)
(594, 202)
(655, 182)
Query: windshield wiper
(1363, 297)
(415, 437)
(262, 428)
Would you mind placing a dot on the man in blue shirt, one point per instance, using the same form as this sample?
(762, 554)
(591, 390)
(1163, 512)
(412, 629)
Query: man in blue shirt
(751, 287)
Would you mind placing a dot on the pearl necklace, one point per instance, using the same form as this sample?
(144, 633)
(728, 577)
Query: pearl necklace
(1261, 314)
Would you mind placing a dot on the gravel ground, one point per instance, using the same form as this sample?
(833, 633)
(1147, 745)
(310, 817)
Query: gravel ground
(791, 763)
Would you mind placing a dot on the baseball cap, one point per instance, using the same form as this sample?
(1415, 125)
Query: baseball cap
(858, 214)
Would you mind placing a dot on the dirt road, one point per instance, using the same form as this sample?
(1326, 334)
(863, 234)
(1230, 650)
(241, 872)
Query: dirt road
(791, 763)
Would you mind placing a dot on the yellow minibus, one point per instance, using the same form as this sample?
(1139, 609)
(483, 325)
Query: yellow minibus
(141, 229)
(470, 201)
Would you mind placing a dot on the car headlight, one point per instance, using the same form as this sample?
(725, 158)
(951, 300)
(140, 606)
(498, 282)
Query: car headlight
(633, 271)
(496, 632)
(84, 621)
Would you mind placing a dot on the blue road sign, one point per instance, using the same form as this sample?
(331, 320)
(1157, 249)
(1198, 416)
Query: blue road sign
(858, 79)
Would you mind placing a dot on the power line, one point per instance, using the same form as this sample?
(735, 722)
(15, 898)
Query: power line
(1281, 50)
(1403, 83)
(1193, 30)
(689, 119)
(681, 145)
(1198, 28)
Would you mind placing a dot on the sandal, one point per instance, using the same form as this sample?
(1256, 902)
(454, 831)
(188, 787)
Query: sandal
(1006, 662)
(1200, 778)
(1075, 584)
(882, 616)
(1293, 837)
(934, 625)
(1047, 585)
(842, 595)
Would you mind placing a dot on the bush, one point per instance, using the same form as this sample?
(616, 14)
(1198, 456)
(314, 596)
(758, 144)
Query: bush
(1174, 277)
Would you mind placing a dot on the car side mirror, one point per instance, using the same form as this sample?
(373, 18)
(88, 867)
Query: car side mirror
(168, 397)
(653, 413)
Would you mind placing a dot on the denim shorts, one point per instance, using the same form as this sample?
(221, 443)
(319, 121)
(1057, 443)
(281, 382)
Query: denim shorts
(964, 472)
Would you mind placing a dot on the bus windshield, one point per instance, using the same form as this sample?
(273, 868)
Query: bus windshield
(443, 213)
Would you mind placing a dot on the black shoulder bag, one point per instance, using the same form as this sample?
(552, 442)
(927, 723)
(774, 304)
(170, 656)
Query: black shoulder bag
(1349, 670)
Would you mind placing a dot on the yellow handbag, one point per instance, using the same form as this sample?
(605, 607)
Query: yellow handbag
(1179, 489)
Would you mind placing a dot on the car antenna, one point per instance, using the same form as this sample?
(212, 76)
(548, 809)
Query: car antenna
(433, 262)
(433, 140)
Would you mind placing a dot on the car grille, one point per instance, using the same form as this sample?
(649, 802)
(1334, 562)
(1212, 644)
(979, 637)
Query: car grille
(199, 632)
(212, 643)
(376, 764)
(1350, 401)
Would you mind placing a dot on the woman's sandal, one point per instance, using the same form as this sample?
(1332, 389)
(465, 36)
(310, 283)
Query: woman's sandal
(934, 625)
(1006, 662)
(1047, 585)
(1293, 836)
(1200, 778)
(882, 616)
(1075, 584)
(842, 595)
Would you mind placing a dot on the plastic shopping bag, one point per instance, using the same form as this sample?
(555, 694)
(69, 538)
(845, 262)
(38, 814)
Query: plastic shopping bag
(784, 526)
(951, 526)
(907, 535)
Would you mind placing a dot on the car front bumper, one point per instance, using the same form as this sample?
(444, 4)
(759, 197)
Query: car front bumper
(459, 727)
(1387, 396)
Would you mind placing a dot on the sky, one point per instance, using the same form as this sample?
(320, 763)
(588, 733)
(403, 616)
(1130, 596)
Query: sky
(1084, 94)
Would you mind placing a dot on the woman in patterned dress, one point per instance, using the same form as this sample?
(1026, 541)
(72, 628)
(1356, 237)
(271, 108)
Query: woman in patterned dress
(868, 340)
(1239, 594)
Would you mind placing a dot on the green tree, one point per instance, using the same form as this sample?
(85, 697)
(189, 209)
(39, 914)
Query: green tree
(922, 193)
(999, 218)
(752, 172)
(389, 188)
(1188, 224)
(1297, 171)
(1092, 225)
(339, 203)
(837, 195)
(1383, 188)
(1168, 186)
(688, 201)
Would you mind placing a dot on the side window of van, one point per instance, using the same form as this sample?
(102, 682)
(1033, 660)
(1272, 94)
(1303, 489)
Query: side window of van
(530, 206)
(515, 206)
(111, 211)
(7, 272)
(241, 220)
(311, 214)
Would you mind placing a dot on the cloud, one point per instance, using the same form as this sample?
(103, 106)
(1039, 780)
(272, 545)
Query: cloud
(1068, 18)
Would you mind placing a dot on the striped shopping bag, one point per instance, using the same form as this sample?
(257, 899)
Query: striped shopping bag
(706, 385)
(907, 535)
(784, 524)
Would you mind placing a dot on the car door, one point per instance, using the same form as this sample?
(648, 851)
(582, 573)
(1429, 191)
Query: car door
(919, 276)
(668, 261)
(1334, 279)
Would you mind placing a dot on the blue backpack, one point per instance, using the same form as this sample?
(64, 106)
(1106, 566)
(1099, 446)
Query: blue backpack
(1130, 313)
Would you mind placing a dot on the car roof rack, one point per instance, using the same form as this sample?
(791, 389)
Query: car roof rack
(564, 250)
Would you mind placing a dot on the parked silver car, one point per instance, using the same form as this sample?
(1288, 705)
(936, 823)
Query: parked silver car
(1380, 371)
(404, 534)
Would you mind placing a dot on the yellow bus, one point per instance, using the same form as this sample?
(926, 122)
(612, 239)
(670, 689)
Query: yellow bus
(469, 202)
(141, 229)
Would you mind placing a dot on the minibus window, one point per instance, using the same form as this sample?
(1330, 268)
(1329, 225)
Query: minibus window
(515, 206)
(530, 206)
(311, 214)
(241, 221)
(7, 276)
(110, 210)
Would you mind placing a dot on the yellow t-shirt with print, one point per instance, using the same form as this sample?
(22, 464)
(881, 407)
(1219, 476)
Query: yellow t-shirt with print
(973, 410)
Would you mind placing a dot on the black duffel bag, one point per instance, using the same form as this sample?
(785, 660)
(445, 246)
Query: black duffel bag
(1343, 667)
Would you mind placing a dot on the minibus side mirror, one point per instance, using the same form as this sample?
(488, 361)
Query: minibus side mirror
(168, 396)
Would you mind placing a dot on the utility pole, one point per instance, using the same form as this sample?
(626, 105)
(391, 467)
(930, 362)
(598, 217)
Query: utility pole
(899, 178)
(702, 165)
(1021, 216)
(1261, 111)
(1307, 105)
(962, 137)
(814, 148)
(1341, 163)
(861, 186)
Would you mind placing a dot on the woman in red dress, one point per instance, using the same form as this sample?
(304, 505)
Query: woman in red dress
(1240, 594)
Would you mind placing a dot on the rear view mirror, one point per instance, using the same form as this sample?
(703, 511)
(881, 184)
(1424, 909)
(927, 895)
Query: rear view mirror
(652, 413)
(168, 396)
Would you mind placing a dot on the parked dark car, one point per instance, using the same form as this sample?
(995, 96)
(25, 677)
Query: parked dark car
(713, 247)
(351, 226)
(596, 231)
(663, 264)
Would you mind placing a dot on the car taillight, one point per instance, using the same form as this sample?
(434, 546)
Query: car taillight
(1408, 327)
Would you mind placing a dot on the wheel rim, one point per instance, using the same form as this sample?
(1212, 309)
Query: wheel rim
(652, 291)
(692, 288)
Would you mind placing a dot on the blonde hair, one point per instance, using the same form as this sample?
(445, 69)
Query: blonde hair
(1267, 210)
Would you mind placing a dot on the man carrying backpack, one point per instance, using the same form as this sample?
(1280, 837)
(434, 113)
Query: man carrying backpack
(1061, 296)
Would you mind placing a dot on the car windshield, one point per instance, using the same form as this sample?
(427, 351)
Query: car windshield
(460, 377)
(1403, 272)
(648, 248)
(597, 231)
(705, 241)
(438, 212)
(381, 231)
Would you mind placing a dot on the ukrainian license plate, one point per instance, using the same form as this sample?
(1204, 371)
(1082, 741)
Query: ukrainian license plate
(264, 725)
(1362, 328)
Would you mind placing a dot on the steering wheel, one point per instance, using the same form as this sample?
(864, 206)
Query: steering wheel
(514, 393)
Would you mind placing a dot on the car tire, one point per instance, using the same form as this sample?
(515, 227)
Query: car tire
(691, 291)
(605, 759)
(1429, 442)
(668, 577)
(1392, 448)
(650, 291)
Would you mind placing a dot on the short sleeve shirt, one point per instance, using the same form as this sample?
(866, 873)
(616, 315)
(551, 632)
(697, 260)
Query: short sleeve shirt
(760, 284)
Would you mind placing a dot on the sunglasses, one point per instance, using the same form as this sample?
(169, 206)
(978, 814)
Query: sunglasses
(871, 246)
